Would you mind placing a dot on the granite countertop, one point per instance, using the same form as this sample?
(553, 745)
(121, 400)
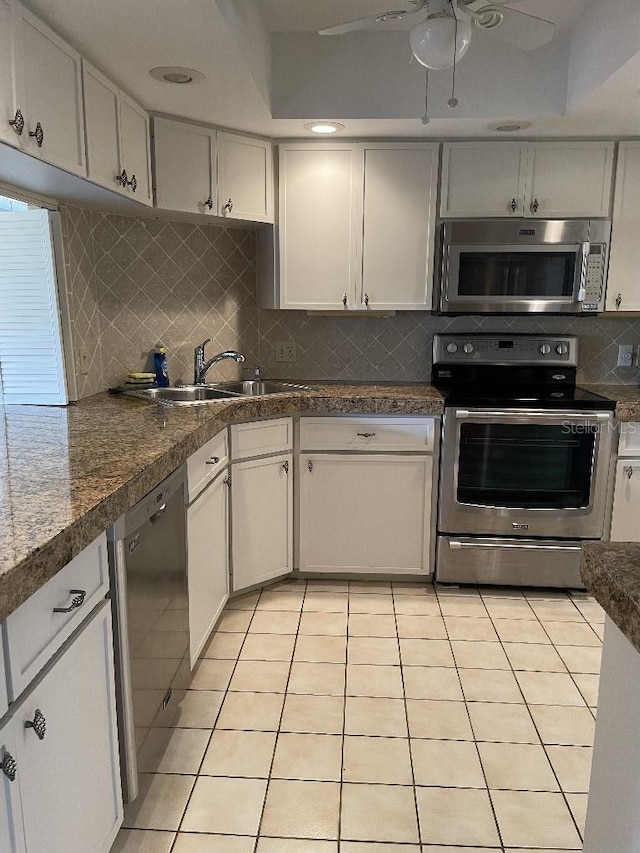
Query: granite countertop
(67, 473)
(611, 573)
(627, 399)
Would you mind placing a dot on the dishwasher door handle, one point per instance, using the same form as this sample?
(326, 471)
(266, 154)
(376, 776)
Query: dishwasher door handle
(156, 515)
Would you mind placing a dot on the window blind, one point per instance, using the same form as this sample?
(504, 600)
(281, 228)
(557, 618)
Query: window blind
(31, 359)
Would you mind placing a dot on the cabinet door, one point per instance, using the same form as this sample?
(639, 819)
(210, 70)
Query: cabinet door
(135, 152)
(626, 500)
(569, 179)
(245, 178)
(70, 780)
(623, 288)
(483, 179)
(365, 513)
(101, 125)
(184, 154)
(11, 830)
(8, 104)
(262, 519)
(49, 84)
(400, 186)
(207, 562)
(319, 212)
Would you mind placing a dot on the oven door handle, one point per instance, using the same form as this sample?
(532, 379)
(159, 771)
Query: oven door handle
(463, 414)
(457, 544)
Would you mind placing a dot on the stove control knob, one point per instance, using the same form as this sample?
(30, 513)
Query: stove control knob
(452, 347)
(545, 349)
(468, 348)
(562, 349)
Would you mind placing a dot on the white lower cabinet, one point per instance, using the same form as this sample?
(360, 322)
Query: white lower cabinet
(365, 514)
(64, 736)
(207, 561)
(626, 501)
(262, 519)
(11, 830)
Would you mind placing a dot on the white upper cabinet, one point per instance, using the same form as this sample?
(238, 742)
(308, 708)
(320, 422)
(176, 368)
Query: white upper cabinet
(399, 208)
(184, 166)
(569, 179)
(117, 133)
(199, 170)
(623, 289)
(49, 93)
(356, 225)
(245, 178)
(318, 226)
(135, 149)
(483, 179)
(532, 179)
(11, 133)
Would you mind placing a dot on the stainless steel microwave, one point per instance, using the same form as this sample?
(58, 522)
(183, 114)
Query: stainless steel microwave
(522, 266)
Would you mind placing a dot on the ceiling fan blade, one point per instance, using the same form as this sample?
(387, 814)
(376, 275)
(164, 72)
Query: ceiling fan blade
(519, 29)
(365, 23)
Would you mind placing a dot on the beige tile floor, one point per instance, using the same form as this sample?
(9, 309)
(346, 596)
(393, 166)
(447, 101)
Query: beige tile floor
(381, 718)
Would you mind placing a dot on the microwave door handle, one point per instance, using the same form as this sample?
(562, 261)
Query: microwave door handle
(584, 264)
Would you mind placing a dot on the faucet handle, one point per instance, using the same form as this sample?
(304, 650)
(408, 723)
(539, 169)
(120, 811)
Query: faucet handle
(256, 374)
(203, 345)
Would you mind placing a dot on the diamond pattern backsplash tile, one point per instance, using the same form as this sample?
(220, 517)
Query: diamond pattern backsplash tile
(136, 281)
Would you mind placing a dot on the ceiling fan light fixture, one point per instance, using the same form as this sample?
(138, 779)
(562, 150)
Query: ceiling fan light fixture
(432, 41)
(324, 127)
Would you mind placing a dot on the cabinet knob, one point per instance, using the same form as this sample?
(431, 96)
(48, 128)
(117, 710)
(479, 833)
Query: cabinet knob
(227, 481)
(9, 766)
(77, 601)
(285, 467)
(310, 465)
(513, 205)
(213, 461)
(628, 470)
(618, 301)
(17, 122)
(366, 434)
(366, 299)
(228, 206)
(208, 203)
(38, 724)
(38, 134)
(122, 178)
(133, 183)
(535, 204)
(344, 299)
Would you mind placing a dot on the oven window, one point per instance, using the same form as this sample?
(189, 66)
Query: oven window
(527, 466)
(517, 274)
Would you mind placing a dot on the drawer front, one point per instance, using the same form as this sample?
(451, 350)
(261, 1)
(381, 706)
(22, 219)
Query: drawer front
(4, 699)
(261, 437)
(629, 439)
(367, 434)
(34, 631)
(206, 463)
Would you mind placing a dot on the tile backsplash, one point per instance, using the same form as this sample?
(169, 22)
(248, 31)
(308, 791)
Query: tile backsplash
(134, 281)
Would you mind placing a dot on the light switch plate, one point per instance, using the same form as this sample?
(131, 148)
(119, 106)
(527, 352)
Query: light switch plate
(85, 360)
(286, 351)
(625, 355)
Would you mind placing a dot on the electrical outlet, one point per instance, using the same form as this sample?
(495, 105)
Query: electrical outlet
(625, 355)
(286, 351)
(85, 360)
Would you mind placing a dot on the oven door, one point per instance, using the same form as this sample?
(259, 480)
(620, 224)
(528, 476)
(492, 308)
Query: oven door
(530, 473)
(507, 278)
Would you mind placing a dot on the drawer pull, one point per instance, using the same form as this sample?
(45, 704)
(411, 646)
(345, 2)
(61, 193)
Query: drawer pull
(9, 766)
(38, 724)
(213, 461)
(366, 434)
(77, 601)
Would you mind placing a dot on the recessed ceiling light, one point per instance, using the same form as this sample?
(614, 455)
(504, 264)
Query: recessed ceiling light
(510, 126)
(324, 126)
(176, 74)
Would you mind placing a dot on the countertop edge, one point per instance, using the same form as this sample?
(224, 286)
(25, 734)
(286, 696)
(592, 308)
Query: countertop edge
(611, 573)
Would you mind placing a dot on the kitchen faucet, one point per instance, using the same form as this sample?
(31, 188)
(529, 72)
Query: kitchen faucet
(200, 366)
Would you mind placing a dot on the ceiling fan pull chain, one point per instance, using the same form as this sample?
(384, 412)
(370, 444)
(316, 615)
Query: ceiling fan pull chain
(425, 117)
(453, 101)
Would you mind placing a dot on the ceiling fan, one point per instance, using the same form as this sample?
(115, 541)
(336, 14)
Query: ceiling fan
(451, 22)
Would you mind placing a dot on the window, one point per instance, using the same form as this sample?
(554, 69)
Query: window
(32, 368)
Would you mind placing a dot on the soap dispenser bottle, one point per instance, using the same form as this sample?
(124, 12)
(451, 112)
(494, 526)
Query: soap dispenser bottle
(160, 365)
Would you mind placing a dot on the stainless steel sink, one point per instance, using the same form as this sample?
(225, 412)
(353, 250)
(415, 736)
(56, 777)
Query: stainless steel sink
(191, 395)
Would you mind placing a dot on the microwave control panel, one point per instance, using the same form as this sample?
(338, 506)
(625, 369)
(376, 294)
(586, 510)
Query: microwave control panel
(594, 279)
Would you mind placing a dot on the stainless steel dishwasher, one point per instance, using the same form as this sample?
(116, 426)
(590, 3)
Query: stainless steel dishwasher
(147, 556)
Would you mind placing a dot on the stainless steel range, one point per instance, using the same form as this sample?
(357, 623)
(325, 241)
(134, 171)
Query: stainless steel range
(525, 460)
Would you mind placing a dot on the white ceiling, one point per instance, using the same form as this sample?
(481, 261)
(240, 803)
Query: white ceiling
(220, 38)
